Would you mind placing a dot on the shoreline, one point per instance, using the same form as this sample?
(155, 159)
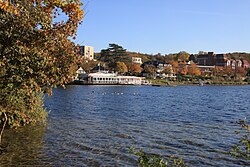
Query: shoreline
(171, 84)
(186, 83)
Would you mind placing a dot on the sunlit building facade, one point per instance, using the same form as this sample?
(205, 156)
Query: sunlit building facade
(87, 52)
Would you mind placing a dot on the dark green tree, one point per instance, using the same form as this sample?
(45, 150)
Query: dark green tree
(114, 54)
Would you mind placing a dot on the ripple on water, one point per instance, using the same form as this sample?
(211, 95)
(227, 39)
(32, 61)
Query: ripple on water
(94, 126)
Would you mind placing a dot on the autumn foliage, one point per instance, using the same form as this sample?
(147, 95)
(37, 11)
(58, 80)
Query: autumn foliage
(121, 67)
(36, 54)
(175, 66)
(136, 68)
(194, 70)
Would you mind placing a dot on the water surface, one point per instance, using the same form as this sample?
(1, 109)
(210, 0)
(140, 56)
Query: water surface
(96, 125)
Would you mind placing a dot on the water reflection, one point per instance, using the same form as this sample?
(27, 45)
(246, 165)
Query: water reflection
(23, 146)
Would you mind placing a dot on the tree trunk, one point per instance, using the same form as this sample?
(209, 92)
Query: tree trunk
(1, 133)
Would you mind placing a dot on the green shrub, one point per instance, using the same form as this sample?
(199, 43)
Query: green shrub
(155, 160)
(242, 149)
(21, 109)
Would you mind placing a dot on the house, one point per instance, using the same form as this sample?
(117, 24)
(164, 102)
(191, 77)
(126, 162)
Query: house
(80, 74)
(136, 60)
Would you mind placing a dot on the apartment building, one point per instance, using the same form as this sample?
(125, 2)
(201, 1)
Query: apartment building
(87, 52)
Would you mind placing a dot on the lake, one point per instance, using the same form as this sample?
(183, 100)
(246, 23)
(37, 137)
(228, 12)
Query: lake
(96, 126)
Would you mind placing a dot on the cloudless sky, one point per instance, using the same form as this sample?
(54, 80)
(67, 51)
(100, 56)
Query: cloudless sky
(167, 26)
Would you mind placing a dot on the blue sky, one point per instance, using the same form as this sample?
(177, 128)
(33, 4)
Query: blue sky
(167, 26)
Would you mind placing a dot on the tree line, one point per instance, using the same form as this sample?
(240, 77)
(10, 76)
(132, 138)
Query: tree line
(182, 64)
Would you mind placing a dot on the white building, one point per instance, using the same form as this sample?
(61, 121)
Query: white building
(80, 74)
(136, 60)
(111, 78)
(87, 52)
(234, 63)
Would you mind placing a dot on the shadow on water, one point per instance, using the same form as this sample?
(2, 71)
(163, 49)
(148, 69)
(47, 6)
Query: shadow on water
(22, 146)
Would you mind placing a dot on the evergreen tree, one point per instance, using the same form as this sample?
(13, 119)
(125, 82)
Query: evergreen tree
(114, 54)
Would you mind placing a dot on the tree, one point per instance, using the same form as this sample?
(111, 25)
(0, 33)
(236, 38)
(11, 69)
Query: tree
(136, 68)
(168, 70)
(194, 70)
(193, 58)
(183, 56)
(184, 70)
(158, 57)
(150, 70)
(175, 66)
(171, 57)
(242, 72)
(114, 54)
(87, 65)
(121, 67)
(223, 72)
(36, 54)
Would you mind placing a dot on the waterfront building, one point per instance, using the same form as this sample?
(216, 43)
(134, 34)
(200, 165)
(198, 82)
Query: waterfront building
(105, 78)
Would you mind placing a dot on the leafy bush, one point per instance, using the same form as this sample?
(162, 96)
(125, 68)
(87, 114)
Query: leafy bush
(242, 149)
(21, 109)
(155, 160)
